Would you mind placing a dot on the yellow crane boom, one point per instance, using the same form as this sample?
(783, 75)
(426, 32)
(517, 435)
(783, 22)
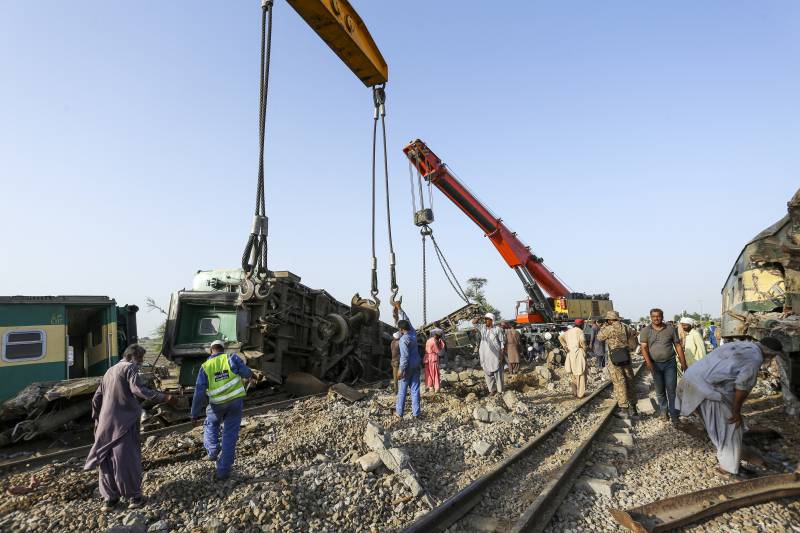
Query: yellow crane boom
(340, 26)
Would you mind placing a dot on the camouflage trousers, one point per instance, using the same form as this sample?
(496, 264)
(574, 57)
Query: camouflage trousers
(622, 379)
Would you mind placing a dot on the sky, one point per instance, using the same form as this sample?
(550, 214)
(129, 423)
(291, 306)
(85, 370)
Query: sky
(635, 146)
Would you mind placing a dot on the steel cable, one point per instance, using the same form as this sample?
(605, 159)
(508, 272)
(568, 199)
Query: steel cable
(392, 264)
(411, 182)
(448, 271)
(424, 280)
(256, 247)
(374, 281)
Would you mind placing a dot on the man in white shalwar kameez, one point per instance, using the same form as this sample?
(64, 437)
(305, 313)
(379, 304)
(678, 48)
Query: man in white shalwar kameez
(490, 351)
(717, 386)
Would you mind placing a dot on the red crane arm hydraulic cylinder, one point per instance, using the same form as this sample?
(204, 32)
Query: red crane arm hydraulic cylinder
(514, 251)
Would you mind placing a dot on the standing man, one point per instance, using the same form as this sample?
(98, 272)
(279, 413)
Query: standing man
(513, 347)
(597, 345)
(718, 385)
(117, 450)
(575, 343)
(490, 352)
(694, 348)
(409, 368)
(660, 342)
(395, 348)
(618, 337)
(713, 335)
(221, 378)
(433, 349)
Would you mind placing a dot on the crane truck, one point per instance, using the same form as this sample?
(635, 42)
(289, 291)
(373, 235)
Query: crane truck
(562, 303)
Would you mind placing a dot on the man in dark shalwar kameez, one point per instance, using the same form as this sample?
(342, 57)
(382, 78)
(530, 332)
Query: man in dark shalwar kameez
(117, 451)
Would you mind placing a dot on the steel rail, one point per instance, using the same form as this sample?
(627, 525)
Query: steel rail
(458, 505)
(538, 514)
(83, 451)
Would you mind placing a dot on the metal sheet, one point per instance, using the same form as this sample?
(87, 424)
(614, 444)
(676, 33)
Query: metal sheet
(347, 392)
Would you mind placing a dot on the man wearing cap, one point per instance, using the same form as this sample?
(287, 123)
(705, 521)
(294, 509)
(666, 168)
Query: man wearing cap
(618, 337)
(409, 367)
(717, 387)
(221, 378)
(490, 352)
(694, 348)
(575, 365)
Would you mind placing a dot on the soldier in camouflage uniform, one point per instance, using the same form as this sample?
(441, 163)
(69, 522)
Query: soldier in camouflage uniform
(617, 335)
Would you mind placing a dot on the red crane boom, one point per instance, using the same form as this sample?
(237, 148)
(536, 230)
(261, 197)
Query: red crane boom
(516, 254)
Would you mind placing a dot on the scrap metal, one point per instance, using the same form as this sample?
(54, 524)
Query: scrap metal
(665, 515)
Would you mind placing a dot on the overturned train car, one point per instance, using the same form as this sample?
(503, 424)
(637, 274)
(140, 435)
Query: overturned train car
(281, 328)
(761, 296)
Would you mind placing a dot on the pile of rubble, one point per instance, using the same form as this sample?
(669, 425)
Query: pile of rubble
(325, 464)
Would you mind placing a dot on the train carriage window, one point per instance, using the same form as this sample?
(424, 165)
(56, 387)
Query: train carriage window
(21, 345)
(209, 326)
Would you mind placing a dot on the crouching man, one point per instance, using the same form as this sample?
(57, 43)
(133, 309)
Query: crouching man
(717, 387)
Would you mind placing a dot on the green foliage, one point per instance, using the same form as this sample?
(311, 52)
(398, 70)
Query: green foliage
(701, 319)
(474, 292)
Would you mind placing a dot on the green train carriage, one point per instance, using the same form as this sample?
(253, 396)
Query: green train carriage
(52, 338)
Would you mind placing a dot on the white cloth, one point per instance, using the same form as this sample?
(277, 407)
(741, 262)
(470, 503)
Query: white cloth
(710, 384)
(492, 342)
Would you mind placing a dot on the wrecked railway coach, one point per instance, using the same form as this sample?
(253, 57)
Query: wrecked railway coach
(289, 328)
(761, 296)
(51, 338)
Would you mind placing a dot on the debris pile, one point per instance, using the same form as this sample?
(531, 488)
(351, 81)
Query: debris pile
(46, 407)
(310, 467)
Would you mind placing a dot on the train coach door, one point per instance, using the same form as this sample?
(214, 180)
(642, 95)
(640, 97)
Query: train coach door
(127, 332)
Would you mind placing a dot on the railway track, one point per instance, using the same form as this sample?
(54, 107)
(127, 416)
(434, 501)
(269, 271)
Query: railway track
(29, 463)
(523, 491)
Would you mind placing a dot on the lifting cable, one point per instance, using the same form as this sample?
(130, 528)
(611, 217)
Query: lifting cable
(254, 257)
(423, 220)
(379, 103)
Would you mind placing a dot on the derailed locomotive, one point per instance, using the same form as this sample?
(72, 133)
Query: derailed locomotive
(286, 327)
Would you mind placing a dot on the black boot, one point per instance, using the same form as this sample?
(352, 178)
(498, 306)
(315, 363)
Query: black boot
(633, 412)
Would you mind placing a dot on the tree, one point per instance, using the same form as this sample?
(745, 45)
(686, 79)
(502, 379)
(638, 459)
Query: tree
(475, 293)
(153, 306)
(702, 319)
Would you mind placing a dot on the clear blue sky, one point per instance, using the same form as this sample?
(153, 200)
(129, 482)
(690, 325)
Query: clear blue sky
(636, 146)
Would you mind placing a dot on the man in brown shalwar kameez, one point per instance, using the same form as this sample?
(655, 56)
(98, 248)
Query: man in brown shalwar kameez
(512, 347)
(117, 451)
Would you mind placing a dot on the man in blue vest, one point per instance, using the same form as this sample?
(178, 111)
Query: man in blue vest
(221, 379)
